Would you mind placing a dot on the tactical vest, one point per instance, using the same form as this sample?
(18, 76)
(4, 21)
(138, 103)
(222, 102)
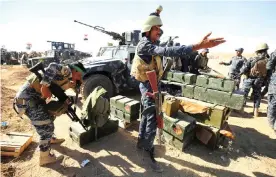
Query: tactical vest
(202, 62)
(258, 68)
(140, 67)
(35, 83)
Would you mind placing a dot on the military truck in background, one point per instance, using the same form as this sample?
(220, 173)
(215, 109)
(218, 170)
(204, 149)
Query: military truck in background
(60, 52)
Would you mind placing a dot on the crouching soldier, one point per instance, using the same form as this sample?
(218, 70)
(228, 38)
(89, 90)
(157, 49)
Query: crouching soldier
(271, 75)
(255, 71)
(147, 58)
(31, 101)
(236, 63)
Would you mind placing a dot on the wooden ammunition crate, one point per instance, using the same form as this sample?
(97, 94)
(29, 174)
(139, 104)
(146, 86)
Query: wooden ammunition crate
(14, 143)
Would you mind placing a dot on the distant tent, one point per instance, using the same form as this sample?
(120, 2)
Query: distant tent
(29, 46)
(85, 37)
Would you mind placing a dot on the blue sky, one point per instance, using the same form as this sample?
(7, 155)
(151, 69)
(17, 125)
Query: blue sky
(243, 24)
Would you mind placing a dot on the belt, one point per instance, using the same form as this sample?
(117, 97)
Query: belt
(41, 122)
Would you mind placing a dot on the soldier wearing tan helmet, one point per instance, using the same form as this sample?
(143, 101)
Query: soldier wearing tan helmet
(271, 75)
(147, 58)
(255, 71)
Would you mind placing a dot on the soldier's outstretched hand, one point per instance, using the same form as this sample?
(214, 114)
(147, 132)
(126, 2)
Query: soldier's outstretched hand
(209, 42)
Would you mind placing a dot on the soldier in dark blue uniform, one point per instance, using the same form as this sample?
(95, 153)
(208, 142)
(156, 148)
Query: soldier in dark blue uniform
(31, 101)
(147, 58)
(271, 74)
(255, 71)
(236, 63)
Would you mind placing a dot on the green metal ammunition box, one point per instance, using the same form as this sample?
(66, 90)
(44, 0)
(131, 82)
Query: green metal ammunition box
(218, 97)
(202, 81)
(168, 76)
(200, 93)
(82, 137)
(215, 83)
(190, 78)
(216, 116)
(216, 137)
(228, 85)
(178, 144)
(178, 77)
(125, 104)
(236, 101)
(123, 115)
(181, 120)
(188, 91)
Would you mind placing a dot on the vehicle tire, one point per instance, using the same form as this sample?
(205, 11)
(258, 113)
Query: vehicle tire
(93, 81)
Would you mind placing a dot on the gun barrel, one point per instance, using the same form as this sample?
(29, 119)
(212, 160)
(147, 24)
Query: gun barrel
(74, 117)
(116, 36)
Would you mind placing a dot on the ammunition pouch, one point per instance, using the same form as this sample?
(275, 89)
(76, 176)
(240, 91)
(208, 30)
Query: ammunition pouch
(56, 108)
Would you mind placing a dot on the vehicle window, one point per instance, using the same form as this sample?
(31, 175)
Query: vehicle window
(107, 53)
(121, 54)
(131, 57)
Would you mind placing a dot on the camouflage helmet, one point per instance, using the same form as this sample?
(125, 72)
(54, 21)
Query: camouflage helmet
(151, 21)
(159, 8)
(262, 46)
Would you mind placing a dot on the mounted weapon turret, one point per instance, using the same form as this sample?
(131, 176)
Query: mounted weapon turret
(127, 38)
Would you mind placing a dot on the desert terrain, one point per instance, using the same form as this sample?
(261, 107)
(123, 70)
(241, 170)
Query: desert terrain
(251, 154)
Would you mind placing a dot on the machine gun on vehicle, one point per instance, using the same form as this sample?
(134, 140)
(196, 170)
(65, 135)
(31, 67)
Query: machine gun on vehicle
(57, 91)
(125, 39)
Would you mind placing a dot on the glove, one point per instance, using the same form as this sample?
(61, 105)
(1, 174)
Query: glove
(208, 43)
(45, 91)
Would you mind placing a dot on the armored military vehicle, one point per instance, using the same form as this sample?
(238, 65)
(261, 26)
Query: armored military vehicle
(111, 67)
(60, 52)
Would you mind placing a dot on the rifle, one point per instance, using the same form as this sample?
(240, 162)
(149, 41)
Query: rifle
(57, 92)
(157, 96)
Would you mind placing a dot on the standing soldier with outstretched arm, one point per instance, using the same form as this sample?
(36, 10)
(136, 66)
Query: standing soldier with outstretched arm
(236, 63)
(271, 75)
(147, 58)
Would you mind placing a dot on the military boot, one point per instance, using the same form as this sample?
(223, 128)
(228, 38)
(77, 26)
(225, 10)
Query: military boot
(47, 158)
(57, 140)
(153, 163)
(139, 144)
(256, 112)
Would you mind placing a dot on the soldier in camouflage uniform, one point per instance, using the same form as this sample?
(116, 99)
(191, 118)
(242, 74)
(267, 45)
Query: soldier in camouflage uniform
(147, 58)
(31, 101)
(236, 63)
(255, 71)
(271, 75)
(200, 62)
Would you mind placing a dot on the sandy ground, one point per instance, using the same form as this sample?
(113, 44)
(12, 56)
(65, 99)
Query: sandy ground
(252, 153)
